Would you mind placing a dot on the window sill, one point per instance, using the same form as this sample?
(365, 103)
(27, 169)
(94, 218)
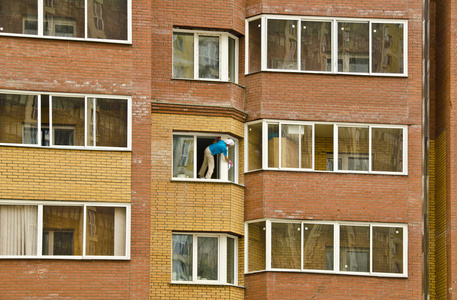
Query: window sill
(382, 275)
(68, 147)
(331, 73)
(127, 42)
(206, 283)
(329, 172)
(203, 180)
(66, 257)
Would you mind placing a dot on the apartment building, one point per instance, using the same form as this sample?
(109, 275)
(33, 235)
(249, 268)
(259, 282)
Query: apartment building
(341, 185)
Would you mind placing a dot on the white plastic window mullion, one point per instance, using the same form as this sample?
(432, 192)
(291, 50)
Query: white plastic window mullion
(280, 145)
(370, 156)
(38, 134)
(86, 120)
(302, 234)
(196, 61)
(84, 229)
(194, 257)
(94, 121)
(370, 29)
(40, 231)
(336, 247)
(246, 247)
(268, 245)
(264, 145)
(263, 27)
(129, 120)
(40, 18)
(127, 230)
(300, 132)
(299, 44)
(371, 250)
(51, 133)
(85, 19)
(246, 48)
(223, 57)
(334, 46)
(405, 151)
(335, 148)
(405, 250)
(195, 156)
(313, 145)
(237, 57)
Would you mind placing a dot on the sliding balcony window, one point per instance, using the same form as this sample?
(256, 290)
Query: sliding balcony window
(305, 146)
(205, 55)
(370, 249)
(326, 45)
(65, 121)
(200, 258)
(188, 157)
(64, 230)
(96, 20)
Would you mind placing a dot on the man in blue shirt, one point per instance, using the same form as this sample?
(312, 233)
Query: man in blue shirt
(219, 147)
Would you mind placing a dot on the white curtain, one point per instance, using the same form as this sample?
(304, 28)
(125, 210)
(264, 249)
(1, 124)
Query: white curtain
(18, 230)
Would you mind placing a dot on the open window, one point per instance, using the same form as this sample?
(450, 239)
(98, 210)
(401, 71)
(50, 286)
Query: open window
(188, 157)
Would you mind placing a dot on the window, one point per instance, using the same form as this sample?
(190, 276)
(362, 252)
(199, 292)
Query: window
(58, 230)
(205, 56)
(74, 121)
(327, 247)
(77, 19)
(326, 45)
(188, 157)
(305, 146)
(204, 258)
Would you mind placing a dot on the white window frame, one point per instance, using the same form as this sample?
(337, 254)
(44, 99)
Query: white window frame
(223, 166)
(222, 259)
(223, 54)
(87, 98)
(334, 42)
(265, 123)
(84, 205)
(336, 247)
(40, 29)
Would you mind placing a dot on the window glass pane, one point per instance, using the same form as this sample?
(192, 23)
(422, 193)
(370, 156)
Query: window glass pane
(231, 60)
(45, 120)
(318, 247)
(306, 150)
(208, 57)
(62, 230)
(323, 147)
(290, 146)
(207, 258)
(183, 55)
(316, 46)
(19, 16)
(353, 147)
(231, 260)
(231, 155)
(354, 249)
(285, 246)
(64, 18)
(254, 146)
(273, 145)
(105, 231)
(256, 246)
(18, 119)
(353, 47)
(387, 48)
(68, 121)
(255, 42)
(90, 122)
(181, 257)
(18, 229)
(388, 250)
(282, 44)
(111, 120)
(107, 19)
(387, 149)
(183, 156)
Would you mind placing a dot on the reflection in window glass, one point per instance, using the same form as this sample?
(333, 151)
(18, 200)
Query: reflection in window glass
(207, 258)
(64, 18)
(105, 231)
(254, 146)
(111, 117)
(285, 246)
(256, 246)
(232, 60)
(183, 55)
(316, 46)
(306, 151)
(318, 247)
(107, 19)
(273, 145)
(231, 267)
(208, 57)
(387, 149)
(19, 16)
(18, 119)
(323, 147)
(62, 230)
(388, 249)
(387, 48)
(68, 121)
(18, 229)
(231, 155)
(290, 146)
(255, 39)
(354, 248)
(282, 44)
(353, 47)
(182, 257)
(353, 148)
(183, 156)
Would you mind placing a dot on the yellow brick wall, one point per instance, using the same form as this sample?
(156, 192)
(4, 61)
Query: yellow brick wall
(432, 222)
(191, 206)
(57, 174)
(440, 217)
